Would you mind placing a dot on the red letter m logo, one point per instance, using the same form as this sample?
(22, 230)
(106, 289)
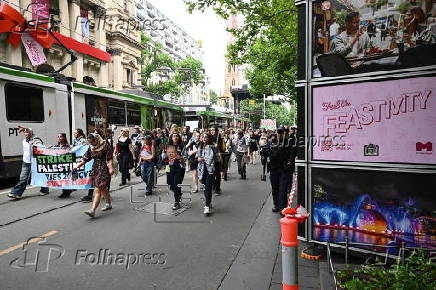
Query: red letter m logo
(427, 146)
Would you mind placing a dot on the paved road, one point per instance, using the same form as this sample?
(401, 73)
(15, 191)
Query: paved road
(187, 251)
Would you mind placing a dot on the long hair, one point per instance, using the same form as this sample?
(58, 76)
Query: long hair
(64, 135)
(80, 132)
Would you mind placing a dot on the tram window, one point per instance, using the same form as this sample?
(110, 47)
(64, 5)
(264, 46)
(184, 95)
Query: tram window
(117, 113)
(133, 114)
(24, 103)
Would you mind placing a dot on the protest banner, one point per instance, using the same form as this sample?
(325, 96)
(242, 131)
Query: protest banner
(268, 124)
(53, 167)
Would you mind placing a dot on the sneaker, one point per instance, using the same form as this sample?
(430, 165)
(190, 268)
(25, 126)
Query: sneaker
(86, 198)
(218, 192)
(107, 207)
(206, 211)
(176, 206)
(148, 193)
(64, 195)
(275, 209)
(122, 184)
(195, 190)
(11, 195)
(90, 213)
(42, 193)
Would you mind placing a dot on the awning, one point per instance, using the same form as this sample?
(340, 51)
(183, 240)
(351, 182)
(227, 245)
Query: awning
(83, 47)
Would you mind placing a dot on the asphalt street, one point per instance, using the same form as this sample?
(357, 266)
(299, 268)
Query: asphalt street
(130, 248)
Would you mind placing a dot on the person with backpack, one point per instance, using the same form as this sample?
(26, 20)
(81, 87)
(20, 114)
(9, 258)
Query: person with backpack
(28, 142)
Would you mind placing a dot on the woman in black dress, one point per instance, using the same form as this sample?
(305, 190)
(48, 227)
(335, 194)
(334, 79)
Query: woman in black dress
(253, 148)
(124, 154)
(102, 170)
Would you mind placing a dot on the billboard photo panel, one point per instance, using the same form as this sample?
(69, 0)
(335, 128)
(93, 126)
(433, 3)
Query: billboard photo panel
(362, 36)
(389, 121)
(374, 207)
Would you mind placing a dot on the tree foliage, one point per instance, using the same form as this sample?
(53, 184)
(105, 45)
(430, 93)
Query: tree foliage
(213, 97)
(177, 82)
(266, 41)
(280, 113)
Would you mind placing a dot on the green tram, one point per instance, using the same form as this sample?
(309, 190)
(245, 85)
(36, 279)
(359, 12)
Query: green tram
(37, 101)
(207, 119)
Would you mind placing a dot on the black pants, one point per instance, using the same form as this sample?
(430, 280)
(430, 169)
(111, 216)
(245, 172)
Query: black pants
(124, 161)
(208, 180)
(280, 180)
(241, 163)
(217, 176)
(226, 159)
(174, 178)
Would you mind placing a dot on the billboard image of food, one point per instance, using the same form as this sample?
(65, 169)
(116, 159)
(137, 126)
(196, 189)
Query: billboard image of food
(374, 207)
(390, 121)
(361, 36)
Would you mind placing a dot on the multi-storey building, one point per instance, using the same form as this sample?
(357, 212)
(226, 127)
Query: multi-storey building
(175, 42)
(93, 24)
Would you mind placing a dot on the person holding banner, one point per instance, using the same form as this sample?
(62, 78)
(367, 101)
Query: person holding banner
(63, 144)
(30, 140)
(102, 170)
(80, 140)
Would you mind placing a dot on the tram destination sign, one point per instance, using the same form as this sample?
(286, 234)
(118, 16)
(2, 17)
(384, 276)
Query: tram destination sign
(389, 121)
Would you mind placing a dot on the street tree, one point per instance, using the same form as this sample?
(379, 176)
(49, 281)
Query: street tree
(266, 41)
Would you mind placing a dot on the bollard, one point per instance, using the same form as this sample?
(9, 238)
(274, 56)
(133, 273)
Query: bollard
(289, 228)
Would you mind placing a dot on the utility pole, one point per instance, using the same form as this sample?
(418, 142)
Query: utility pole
(264, 102)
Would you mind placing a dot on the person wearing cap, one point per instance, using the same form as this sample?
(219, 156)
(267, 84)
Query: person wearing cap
(281, 165)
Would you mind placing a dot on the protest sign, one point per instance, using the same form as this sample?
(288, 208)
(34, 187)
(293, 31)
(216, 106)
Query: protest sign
(53, 167)
(268, 124)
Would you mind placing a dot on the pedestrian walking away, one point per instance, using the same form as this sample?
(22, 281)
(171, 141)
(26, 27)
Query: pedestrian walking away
(102, 170)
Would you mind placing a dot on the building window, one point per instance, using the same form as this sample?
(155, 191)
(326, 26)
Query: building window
(133, 114)
(24, 103)
(230, 68)
(125, 5)
(129, 76)
(233, 82)
(116, 113)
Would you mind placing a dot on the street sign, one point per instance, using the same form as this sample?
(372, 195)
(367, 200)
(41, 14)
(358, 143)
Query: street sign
(268, 124)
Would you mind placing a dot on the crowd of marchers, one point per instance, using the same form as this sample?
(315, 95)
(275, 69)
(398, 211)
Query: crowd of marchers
(206, 154)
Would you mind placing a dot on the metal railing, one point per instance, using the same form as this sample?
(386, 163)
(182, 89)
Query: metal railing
(401, 257)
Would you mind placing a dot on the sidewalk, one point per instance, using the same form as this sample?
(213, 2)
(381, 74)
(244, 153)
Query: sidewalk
(258, 264)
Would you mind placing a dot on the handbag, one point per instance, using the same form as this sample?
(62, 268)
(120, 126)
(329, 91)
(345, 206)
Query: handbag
(137, 170)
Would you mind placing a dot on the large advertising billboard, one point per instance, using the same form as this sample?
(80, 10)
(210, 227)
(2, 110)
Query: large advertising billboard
(374, 207)
(361, 36)
(390, 121)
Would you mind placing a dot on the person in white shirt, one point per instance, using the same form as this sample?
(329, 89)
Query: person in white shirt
(334, 29)
(352, 41)
(30, 140)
